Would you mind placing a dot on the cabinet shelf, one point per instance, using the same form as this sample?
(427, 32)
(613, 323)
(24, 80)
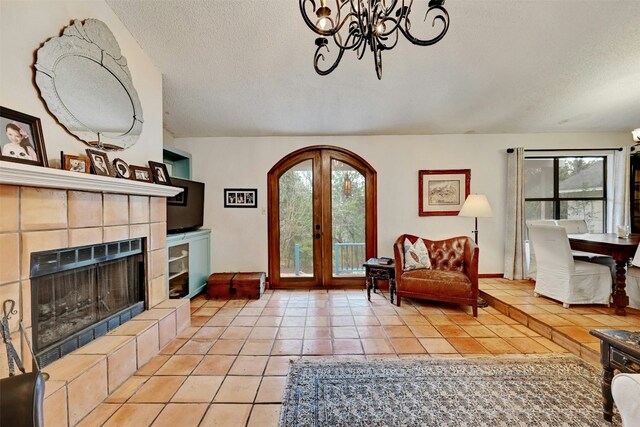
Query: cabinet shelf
(178, 258)
(190, 254)
(173, 276)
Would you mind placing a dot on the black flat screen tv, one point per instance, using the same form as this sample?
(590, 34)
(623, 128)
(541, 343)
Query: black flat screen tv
(185, 211)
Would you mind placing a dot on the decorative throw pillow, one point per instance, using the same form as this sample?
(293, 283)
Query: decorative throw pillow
(416, 255)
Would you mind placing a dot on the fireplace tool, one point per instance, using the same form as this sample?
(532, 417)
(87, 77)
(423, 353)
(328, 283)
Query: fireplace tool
(22, 395)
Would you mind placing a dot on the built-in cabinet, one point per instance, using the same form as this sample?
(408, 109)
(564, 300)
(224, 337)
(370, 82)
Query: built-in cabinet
(178, 162)
(635, 193)
(189, 263)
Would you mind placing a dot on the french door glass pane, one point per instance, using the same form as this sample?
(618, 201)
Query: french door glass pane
(592, 211)
(347, 220)
(581, 177)
(296, 221)
(538, 178)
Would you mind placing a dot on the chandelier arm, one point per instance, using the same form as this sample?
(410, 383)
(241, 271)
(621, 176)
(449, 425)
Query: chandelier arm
(384, 46)
(392, 6)
(443, 17)
(320, 56)
(396, 24)
(357, 41)
(377, 58)
(353, 34)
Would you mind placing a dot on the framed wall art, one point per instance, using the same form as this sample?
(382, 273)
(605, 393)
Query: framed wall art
(100, 162)
(442, 192)
(240, 197)
(21, 140)
(140, 173)
(76, 163)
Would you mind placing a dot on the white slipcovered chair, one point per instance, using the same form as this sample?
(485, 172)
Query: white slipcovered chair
(562, 278)
(573, 226)
(579, 226)
(625, 389)
(530, 254)
(633, 281)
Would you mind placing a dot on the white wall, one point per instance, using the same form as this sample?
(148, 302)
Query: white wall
(25, 26)
(239, 237)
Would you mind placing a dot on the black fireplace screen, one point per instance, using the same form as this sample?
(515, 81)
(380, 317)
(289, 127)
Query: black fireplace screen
(79, 294)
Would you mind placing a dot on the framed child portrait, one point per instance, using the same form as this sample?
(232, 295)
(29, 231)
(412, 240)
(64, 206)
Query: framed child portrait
(21, 140)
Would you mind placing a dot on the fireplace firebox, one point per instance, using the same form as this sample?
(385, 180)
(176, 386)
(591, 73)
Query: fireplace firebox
(79, 294)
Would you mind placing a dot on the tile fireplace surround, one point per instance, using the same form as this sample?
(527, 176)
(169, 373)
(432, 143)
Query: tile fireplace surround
(37, 219)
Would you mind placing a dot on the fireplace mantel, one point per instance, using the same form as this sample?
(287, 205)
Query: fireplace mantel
(36, 176)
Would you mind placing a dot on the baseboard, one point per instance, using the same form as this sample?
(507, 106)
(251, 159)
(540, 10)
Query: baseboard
(491, 276)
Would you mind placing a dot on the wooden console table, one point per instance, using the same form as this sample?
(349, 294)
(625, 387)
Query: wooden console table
(376, 271)
(620, 249)
(619, 350)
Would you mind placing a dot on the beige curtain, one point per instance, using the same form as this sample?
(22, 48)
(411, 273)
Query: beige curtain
(514, 233)
(620, 213)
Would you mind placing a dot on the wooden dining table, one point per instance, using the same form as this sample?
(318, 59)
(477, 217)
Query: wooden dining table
(620, 249)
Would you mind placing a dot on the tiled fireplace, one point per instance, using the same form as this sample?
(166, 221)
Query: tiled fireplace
(34, 220)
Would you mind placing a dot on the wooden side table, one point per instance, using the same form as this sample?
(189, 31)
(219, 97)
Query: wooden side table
(376, 271)
(618, 350)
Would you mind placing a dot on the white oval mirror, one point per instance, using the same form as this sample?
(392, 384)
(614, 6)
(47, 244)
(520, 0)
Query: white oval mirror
(86, 84)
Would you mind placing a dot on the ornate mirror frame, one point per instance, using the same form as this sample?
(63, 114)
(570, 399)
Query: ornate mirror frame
(91, 40)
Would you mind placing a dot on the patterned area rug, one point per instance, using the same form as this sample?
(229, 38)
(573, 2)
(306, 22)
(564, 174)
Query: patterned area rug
(549, 391)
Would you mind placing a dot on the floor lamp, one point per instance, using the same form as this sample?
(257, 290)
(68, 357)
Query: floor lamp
(477, 206)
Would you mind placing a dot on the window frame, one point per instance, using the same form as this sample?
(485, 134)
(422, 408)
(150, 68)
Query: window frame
(556, 199)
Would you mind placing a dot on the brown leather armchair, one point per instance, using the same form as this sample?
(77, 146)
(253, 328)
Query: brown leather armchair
(453, 276)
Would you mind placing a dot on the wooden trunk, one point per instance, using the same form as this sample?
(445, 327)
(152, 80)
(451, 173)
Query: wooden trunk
(219, 286)
(248, 285)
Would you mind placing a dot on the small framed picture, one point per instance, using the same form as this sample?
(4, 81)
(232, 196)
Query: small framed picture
(100, 163)
(240, 197)
(160, 173)
(76, 163)
(122, 169)
(140, 173)
(22, 139)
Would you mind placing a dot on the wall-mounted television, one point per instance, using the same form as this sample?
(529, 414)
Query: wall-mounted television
(185, 211)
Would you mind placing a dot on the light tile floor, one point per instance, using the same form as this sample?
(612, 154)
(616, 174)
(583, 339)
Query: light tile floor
(229, 368)
(568, 327)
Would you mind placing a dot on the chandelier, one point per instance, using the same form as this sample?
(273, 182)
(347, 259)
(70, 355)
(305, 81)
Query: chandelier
(358, 24)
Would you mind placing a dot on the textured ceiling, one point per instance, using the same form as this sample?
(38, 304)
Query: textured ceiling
(244, 68)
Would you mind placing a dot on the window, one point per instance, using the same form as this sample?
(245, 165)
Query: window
(567, 188)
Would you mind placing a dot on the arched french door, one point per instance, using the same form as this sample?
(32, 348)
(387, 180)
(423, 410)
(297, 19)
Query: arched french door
(322, 218)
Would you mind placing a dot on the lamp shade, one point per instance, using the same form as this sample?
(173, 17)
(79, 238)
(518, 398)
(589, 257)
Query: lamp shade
(477, 206)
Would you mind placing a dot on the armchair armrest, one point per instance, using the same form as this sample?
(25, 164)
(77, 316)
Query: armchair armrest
(398, 256)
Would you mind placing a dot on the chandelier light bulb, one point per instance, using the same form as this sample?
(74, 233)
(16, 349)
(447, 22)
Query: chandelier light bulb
(380, 28)
(323, 23)
(636, 135)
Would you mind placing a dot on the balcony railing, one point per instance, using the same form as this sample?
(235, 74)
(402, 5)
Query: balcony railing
(347, 258)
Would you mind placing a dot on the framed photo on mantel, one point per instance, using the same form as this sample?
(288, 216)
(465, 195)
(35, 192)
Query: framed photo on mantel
(22, 139)
(442, 192)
